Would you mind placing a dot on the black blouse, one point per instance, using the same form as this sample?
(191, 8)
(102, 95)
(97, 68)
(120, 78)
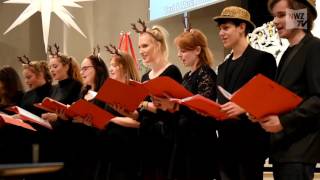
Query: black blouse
(153, 122)
(156, 134)
(172, 71)
(202, 81)
(35, 96)
(66, 91)
(195, 152)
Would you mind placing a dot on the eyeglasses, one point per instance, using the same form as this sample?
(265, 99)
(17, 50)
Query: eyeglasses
(85, 68)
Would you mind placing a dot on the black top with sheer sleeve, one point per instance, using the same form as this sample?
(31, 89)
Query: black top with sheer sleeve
(202, 81)
(196, 138)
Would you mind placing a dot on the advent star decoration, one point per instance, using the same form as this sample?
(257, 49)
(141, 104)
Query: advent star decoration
(46, 7)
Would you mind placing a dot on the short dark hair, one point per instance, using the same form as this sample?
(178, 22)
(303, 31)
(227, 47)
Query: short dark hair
(237, 23)
(296, 4)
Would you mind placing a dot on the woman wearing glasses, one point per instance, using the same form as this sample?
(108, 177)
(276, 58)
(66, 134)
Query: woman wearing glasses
(85, 148)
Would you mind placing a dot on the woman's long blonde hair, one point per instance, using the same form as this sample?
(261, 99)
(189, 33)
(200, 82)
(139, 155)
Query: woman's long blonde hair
(160, 34)
(129, 68)
(38, 67)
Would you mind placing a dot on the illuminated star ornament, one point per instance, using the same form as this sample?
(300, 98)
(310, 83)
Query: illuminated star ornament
(46, 7)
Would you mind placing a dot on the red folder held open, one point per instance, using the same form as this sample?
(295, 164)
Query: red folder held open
(17, 122)
(28, 116)
(114, 92)
(204, 105)
(51, 105)
(262, 96)
(131, 95)
(83, 108)
(164, 86)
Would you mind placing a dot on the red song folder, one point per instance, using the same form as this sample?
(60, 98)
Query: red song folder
(131, 95)
(28, 116)
(164, 86)
(203, 105)
(51, 105)
(17, 122)
(261, 97)
(83, 108)
(117, 93)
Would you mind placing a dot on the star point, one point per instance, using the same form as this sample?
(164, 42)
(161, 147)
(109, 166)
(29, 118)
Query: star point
(46, 7)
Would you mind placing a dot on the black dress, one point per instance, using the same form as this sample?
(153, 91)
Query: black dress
(35, 96)
(28, 100)
(66, 91)
(10, 138)
(196, 139)
(85, 151)
(118, 151)
(57, 146)
(156, 133)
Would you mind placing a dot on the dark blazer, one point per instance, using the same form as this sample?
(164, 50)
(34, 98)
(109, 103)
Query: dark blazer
(300, 139)
(241, 138)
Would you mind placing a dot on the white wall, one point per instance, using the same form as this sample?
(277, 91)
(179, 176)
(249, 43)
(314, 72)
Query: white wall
(101, 21)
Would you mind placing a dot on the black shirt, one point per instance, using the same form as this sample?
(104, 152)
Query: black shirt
(66, 91)
(35, 96)
(284, 59)
(231, 66)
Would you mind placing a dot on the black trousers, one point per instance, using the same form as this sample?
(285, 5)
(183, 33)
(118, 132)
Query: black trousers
(293, 171)
(249, 169)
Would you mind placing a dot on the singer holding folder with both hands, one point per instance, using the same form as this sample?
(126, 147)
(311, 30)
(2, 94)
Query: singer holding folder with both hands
(195, 139)
(243, 145)
(118, 151)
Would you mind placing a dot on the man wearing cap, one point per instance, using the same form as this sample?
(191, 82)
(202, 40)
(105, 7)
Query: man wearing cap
(243, 144)
(295, 136)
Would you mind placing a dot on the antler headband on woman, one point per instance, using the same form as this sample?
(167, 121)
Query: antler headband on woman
(136, 29)
(115, 50)
(24, 60)
(96, 51)
(143, 30)
(57, 50)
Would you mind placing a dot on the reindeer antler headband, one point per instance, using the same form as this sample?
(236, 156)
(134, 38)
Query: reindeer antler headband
(24, 60)
(113, 50)
(96, 51)
(143, 30)
(136, 29)
(57, 50)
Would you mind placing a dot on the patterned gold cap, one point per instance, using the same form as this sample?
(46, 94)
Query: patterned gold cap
(234, 12)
